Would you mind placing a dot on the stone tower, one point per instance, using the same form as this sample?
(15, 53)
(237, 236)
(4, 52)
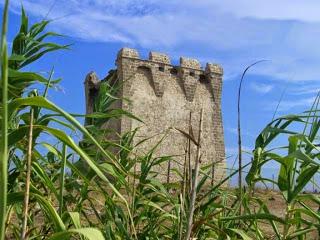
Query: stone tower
(162, 96)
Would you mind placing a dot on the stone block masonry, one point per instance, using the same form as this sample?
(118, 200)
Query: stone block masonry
(162, 96)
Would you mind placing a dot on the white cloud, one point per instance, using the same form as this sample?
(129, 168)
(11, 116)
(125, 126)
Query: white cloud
(261, 87)
(233, 33)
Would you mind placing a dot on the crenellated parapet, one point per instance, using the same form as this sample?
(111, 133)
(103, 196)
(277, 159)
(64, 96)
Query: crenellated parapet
(189, 72)
(160, 58)
(128, 52)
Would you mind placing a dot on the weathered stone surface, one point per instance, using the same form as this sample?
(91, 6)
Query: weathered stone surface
(128, 52)
(91, 88)
(190, 85)
(158, 78)
(159, 57)
(189, 63)
(214, 68)
(163, 99)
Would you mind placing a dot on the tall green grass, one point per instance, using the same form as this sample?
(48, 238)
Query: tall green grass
(87, 191)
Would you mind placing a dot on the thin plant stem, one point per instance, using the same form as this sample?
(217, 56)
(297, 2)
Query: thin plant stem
(38, 110)
(168, 173)
(189, 154)
(279, 102)
(212, 174)
(62, 177)
(287, 224)
(50, 9)
(49, 82)
(4, 124)
(195, 181)
(239, 130)
(133, 197)
(9, 215)
(186, 166)
(183, 194)
(28, 180)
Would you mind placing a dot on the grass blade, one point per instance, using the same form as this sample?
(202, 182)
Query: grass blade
(89, 233)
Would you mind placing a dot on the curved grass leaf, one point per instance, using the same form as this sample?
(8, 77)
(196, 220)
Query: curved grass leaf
(241, 233)
(89, 233)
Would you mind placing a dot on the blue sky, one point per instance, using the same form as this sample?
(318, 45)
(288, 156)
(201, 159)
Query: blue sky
(231, 33)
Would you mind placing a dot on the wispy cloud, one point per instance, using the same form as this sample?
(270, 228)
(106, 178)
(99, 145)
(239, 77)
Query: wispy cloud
(234, 131)
(233, 151)
(305, 89)
(276, 10)
(232, 33)
(261, 87)
(288, 105)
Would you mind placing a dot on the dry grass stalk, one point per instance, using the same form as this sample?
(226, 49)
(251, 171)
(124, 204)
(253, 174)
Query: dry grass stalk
(195, 180)
(27, 183)
(168, 172)
(189, 154)
(212, 174)
(184, 190)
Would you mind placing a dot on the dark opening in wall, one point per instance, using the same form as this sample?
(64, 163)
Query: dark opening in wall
(161, 68)
(93, 92)
(203, 79)
(192, 74)
(174, 71)
(143, 68)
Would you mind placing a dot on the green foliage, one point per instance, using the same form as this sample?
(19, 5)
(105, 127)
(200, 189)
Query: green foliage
(297, 168)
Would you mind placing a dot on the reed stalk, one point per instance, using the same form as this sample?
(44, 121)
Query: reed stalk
(183, 192)
(168, 173)
(4, 124)
(195, 180)
(62, 177)
(189, 154)
(28, 180)
(239, 131)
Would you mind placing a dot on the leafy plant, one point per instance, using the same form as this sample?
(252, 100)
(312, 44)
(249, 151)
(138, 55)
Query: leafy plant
(297, 168)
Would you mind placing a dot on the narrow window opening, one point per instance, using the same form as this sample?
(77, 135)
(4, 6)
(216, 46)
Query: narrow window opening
(143, 68)
(203, 79)
(174, 71)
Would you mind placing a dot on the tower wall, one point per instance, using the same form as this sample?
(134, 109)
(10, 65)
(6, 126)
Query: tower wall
(162, 96)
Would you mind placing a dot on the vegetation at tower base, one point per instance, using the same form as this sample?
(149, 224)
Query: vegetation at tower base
(121, 196)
